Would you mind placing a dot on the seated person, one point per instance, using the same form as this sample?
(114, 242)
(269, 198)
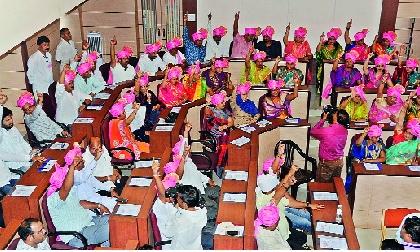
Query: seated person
(37, 120)
(217, 45)
(358, 44)
(370, 150)
(374, 76)
(194, 85)
(356, 104)
(150, 62)
(69, 101)
(33, 235)
(120, 70)
(216, 79)
(173, 55)
(195, 49)
(407, 76)
(413, 105)
(129, 99)
(68, 212)
(172, 92)
(408, 233)
(254, 70)
(270, 46)
(93, 57)
(404, 151)
(244, 110)
(387, 109)
(273, 165)
(87, 83)
(242, 43)
(276, 103)
(299, 46)
(120, 134)
(386, 45)
(15, 152)
(288, 73)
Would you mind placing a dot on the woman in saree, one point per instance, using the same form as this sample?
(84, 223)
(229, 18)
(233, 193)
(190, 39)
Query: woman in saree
(218, 121)
(255, 71)
(299, 47)
(194, 85)
(120, 134)
(407, 76)
(172, 92)
(385, 110)
(413, 105)
(358, 44)
(370, 150)
(386, 46)
(244, 110)
(216, 79)
(405, 152)
(374, 76)
(276, 103)
(356, 104)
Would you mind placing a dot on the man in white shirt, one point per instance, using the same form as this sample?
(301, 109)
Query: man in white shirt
(150, 62)
(218, 45)
(173, 55)
(66, 50)
(129, 99)
(121, 70)
(39, 72)
(87, 83)
(33, 235)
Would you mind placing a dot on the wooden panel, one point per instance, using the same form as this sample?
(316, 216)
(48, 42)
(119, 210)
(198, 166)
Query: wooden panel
(72, 22)
(109, 5)
(12, 62)
(13, 80)
(409, 10)
(388, 15)
(109, 19)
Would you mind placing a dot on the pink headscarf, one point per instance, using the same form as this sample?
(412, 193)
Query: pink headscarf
(412, 63)
(194, 69)
(69, 76)
(222, 63)
(171, 167)
(352, 55)
(396, 91)
(144, 80)
(170, 180)
(268, 31)
(260, 55)
(25, 98)
(301, 32)
(360, 35)
(84, 68)
(267, 165)
(57, 179)
(200, 35)
(382, 59)
(177, 149)
(174, 72)
(218, 98)
(390, 36)
(374, 131)
(267, 216)
(414, 126)
(251, 31)
(153, 48)
(358, 90)
(243, 88)
(290, 59)
(220, 31)
(93, 56)
(334, 32)
(129, 97)
(125, 52)
(275, 84)
(69, 157)
(174, 43)
(117, 109)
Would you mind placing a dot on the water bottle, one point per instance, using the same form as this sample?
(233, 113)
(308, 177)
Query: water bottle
(339, 214)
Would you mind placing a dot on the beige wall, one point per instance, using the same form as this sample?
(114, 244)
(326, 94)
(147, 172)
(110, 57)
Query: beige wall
(408, 9)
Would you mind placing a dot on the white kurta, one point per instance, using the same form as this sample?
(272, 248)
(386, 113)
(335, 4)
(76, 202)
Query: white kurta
(65, 52)
(41, 125)
(217, 50)
(14, 150)
(5, 174)
(68, 104)
(119, 73)
(150, 66)
(165, 212)
(175, 60)
(103, 166)
(138, 119)
(40, 73)
(193, 177)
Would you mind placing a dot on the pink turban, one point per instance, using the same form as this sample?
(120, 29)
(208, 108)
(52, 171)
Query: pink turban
(358, 90)
(220, 31)
(374, 131)
(267, 216)
(174, 72)
(251, 31)
(84, 68)
(334, 32)
(291, 59)
(170, 180)
(418, 91)
(268, 31)
(69, 76)
(412, 63)
(25, 98)
(390, 36)
(129, 97)
(125, 52)
(360, 35)
(93, 56)
(352, 55)
(222, 63)
(275, 84)
(268, 164)
(218, 98)
(153, 48)
(171, 167)
(69, 157)
(177, 149)
(57, 179)
(301, 32)
(117, 109)
(200, 35)
(144, 80)
(382, 59)
(260, 55)
(243, 88)
(174, 43)
(194, 69)
(414, 126)
(395, 91)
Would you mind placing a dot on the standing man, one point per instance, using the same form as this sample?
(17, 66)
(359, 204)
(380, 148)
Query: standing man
(242, 43)
(217, 46)
(65, 50)
(195, 49)
(40, 73)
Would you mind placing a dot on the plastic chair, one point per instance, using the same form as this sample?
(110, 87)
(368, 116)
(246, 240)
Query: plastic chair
(392, 218)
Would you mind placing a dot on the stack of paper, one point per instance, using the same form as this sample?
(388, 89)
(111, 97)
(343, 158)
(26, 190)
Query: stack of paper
(234, 197)
(47, 166)
(59, 146)
(94, 107)
(140, 181)
(128, 209)
(361, 123)
(414, 167)
(84, 120)
(176, 109)
(263, 123)
(371, 166)
(163, 122)
(236, 175)
(329, 242)
(325, 196)
(23, 190)
(248, 129)
(164, 128)
(224, 227)
(292, 120)
(102, 96)
(331, 228)
(241, 141)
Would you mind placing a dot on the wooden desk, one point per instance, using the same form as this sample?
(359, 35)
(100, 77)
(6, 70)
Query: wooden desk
(373, 191)
(9, 233)
(328, 214)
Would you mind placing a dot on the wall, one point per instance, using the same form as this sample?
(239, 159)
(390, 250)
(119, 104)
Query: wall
(408, 9)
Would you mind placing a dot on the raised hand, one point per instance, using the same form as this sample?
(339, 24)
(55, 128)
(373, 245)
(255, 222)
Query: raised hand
(209, 16)
(288, 27)
(322, 38)
(85, 45)
(237, 15)
(348, 26)
(155, 167)
(114, 41)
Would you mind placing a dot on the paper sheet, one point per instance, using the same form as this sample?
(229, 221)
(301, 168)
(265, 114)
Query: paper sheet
(84, 120)
(59, 146)
(414, 167)
(223, 227)
(292, 120)
(128, 209)
(234, 197)
(48, 165)
(176, 109)
(248, 129)
(23, 190)
(371, 166)
(140, 181)
(241, 141)
(94, 107)
(361, 123)
(236, 175)
(332, 228)
(164, 128)
(102, 96)
(263, 123)
(325, 196)
(144, 163)
(332, 242)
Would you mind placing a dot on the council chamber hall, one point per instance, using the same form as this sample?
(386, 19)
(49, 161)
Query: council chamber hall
(210, 125)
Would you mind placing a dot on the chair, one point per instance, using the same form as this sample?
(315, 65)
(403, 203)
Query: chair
(392, 218)
(49, 104)
(13, 244)
(303, 175)
(104, 68)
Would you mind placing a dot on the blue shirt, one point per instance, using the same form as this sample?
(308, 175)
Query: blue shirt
(192, 52)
